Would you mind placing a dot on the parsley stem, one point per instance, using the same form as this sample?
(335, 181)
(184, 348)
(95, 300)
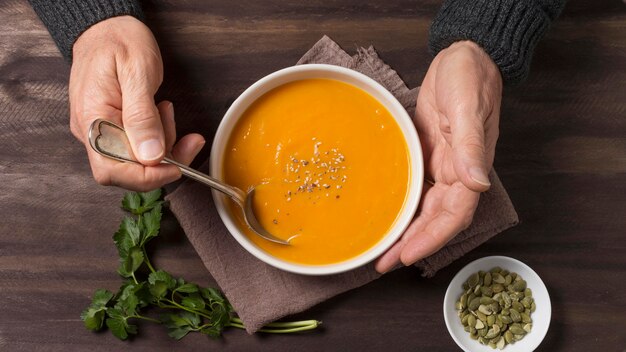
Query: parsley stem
(146, 260)
(279, 327)
(287, 331)
(175, 305)
(236, 325)
(134, 278)
(290, 324)
(145, 318)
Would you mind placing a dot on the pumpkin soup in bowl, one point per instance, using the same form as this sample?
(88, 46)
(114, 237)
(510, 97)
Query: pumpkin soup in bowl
(334, 168)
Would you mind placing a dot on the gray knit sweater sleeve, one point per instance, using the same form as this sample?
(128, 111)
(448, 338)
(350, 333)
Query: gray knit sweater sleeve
(66, 20)
(508, 30)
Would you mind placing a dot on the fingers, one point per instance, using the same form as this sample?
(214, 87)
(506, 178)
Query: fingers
(166, 111)
(455, 214)
(469, 152)
(431, 200)
(188, 147)
(390, 259)
(130, 176)
(140, 116)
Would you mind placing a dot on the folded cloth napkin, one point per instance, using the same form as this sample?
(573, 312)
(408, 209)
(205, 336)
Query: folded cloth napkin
(261, 293)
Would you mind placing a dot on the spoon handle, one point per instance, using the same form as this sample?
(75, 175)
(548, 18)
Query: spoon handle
(110, 140)
(235, 193)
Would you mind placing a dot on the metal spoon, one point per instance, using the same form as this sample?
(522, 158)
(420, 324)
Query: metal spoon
(110, 140)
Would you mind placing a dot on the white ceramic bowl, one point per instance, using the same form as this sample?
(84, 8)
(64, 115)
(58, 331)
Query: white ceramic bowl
(541, 316)
(329, 72)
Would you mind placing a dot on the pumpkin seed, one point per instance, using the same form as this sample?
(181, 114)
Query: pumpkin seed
(515, 316)
(508, 336)
(518, 337)
(485, 309)
(516, 330)
(506, 319)
(497, 288)
(486, 291)
(497, 278)
(525, 318)
(507, 280)
(474, 304)
(493, 332)
(528, 292)
(491, 320)
(487, 279)
(486, 300)
(479, 324)
(500, 344)
(497, 269)
(473, 280)
(533, 307)
(471, 320)
(528, 327)
(527, 301)
(507, 300)
(519, 285)
(481, 316)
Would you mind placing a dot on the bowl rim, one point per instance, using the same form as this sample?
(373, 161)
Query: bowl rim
(503, 262)
(342, 74)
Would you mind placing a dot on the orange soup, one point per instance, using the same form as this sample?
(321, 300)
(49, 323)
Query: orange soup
(330, 166)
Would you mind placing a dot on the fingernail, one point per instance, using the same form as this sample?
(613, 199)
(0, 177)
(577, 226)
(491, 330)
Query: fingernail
(170, 107)
(477, 174)
(150, 149)
(199, 147)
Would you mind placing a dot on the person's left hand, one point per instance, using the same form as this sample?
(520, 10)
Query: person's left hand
(457, 116)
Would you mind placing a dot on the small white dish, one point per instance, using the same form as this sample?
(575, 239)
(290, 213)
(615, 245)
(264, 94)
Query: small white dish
(358, 80)
(541, 317)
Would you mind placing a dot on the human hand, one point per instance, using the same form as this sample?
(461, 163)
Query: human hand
(456, 117)
(115, 74)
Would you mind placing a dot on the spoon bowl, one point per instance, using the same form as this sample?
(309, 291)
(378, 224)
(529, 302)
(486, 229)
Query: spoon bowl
(110, 140)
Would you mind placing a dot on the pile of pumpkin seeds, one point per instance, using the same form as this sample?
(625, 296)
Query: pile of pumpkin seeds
(495, 307)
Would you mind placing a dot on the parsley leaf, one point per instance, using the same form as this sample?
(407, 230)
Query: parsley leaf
(118, 324)
(187, 288)
(150, 199)
(152, 223)
(132, 261)
(93, 316)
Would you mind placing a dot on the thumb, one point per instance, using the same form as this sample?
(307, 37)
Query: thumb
(469, 152)
(142, 123)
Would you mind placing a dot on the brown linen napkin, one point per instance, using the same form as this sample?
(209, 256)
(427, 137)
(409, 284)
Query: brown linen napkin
(261, 293)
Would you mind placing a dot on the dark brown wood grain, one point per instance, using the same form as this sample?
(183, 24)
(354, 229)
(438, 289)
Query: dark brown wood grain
(561, 156)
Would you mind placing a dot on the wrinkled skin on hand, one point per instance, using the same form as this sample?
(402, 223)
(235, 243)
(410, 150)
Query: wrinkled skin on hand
(457, 117)
(115, 74)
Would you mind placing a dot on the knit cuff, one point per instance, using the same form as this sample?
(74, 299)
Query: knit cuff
(66, 20)
(508, 30)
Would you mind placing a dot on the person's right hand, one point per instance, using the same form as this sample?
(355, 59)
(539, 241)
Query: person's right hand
(116, 71)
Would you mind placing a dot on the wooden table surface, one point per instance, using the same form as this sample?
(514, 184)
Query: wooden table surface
(561, 155)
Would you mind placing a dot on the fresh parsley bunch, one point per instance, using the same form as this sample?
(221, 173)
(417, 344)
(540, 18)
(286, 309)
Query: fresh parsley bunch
(185, 306)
